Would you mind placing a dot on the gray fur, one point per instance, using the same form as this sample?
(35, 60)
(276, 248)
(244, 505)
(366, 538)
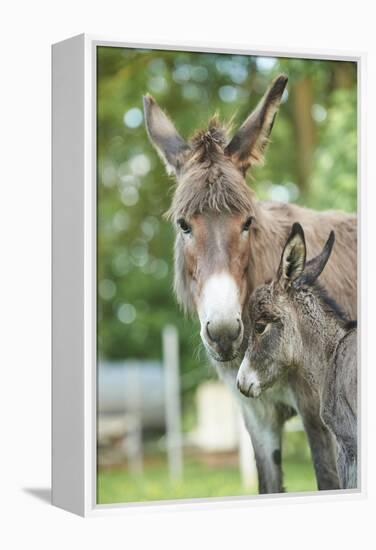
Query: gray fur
(297, 334)
(339, 407)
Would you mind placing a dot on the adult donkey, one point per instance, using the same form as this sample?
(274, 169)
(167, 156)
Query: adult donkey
(227, 243)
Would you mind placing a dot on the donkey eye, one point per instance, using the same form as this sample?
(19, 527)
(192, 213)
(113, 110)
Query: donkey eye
(260, 328)
(184, 226)
(247, 224)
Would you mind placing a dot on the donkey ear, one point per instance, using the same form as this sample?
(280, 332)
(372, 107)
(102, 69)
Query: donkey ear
(248, 145)
(163, 135)
(315, 266)
(293, 257)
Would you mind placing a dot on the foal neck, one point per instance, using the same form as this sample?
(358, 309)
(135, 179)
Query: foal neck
(321, 332)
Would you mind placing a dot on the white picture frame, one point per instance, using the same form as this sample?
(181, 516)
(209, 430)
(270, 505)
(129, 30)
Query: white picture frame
(74, 363)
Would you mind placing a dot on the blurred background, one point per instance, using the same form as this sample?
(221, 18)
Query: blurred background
(167, 428)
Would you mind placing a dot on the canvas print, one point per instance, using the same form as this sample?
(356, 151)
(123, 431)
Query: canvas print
(226, 275)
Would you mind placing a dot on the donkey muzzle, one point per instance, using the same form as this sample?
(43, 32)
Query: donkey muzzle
(219, 311)
(224, 337)
(247, 380)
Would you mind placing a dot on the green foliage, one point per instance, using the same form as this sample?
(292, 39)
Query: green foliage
(135, 243)
(334, 173)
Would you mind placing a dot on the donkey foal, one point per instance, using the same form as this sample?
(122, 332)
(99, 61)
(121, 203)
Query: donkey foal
(299, 334)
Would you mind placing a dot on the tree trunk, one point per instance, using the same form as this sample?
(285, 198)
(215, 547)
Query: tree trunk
(305, 130)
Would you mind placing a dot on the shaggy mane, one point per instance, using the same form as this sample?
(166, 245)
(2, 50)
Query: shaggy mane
(331, 306)
(210, 182)
(208, 144)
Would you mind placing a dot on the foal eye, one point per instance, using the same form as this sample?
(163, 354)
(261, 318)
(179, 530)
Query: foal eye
(260, 328)
(184, 226)
(247, 224)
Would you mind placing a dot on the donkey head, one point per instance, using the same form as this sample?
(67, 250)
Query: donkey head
(213, 210)
(278, 313)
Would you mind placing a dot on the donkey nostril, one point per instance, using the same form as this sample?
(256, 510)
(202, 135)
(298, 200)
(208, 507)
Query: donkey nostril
(211, 337)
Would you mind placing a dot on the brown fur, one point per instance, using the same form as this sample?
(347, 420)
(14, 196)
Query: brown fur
(210, 183)
(267, 235)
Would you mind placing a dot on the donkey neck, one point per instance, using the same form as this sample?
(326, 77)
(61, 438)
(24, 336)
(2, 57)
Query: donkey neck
(272, 221)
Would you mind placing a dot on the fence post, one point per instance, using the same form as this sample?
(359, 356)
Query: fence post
(135, 444)
(172, 401)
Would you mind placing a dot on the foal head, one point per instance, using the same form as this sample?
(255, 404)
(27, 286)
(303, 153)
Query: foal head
(285, 316)
(213, 210)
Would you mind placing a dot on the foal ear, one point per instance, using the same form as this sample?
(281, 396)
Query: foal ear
(315, 266)
(163, 135)
(293, 257)
(248, 145)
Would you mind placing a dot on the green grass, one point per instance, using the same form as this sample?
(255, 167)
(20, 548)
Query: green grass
(200, 480)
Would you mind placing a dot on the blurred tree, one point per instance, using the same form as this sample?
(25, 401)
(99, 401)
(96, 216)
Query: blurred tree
(312, 160)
